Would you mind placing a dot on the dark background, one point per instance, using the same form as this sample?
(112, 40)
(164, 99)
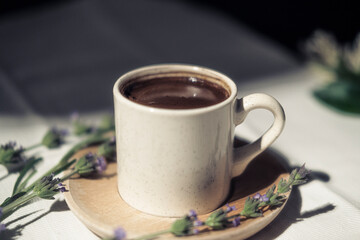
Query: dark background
(286, 22)
(60, 56)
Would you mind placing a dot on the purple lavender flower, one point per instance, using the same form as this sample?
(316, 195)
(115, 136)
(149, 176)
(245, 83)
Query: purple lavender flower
(48, 187)
(54, 137)
(100, 164)
(90, 163)
(193, 214)
(61, 188)
(89, 156)
(302, 172)
(119, 233)
(10, 155)
(257, 196)
(236, 221)
(261, 198)
(264, 198)
(230, 208)
(198, 223)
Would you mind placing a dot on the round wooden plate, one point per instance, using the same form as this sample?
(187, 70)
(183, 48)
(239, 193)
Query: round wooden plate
(97, 203)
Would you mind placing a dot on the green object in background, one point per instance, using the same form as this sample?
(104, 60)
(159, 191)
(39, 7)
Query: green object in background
(341, 95)
(342, 64)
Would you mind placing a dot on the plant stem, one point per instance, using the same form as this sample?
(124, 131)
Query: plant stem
(66, 157)
(32, 147)
(20, 201)
(81, 145)
(69, 175)
(152, 235)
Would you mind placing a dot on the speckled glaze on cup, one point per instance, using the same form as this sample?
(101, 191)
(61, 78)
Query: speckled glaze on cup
(170, 160)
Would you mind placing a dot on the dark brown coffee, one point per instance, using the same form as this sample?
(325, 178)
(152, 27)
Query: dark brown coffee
(175, 92)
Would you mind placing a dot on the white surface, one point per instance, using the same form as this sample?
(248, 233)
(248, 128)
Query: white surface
(327, 141)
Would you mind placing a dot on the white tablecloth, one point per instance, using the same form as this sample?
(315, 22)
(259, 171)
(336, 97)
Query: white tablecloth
(69, 56)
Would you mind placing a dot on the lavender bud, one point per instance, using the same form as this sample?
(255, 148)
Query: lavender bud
(54, 137)
(264, 198)
(119, 233)
(236, 222)
(11, 157)
(257, 196)
(100, 164)
(48, 187)
(193, 214)
(230, 208)
(198, 223)
(90, 163)
(302, 172)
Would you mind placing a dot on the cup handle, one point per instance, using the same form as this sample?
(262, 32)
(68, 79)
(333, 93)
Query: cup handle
(243, 155)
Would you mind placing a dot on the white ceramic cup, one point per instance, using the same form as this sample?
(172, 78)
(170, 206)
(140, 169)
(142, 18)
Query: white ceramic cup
(170, 160)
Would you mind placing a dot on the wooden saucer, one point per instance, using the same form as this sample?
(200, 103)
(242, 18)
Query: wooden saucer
(96, 202)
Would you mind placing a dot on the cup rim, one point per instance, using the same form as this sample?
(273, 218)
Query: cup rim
(172, 67)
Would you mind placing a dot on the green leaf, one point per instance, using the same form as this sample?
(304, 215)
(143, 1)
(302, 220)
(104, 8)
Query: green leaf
(29, 166)
(23, 184)
(12, 198)
(270, 192)
(217, 220)
(85, 143)
(251, 207)
(298, 182)
(47, 194)
(284, 186)
(64, 167)
(181, 227)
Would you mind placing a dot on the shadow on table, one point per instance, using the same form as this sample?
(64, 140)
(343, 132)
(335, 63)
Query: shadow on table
(15, 232)
(263, 170)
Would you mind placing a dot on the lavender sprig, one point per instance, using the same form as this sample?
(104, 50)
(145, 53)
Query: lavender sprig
(90, 163)
(297, 177)
(220, 219)
(14, 158)
(47, 188)
(54, 137)
(11, 155)
(108, 149)
(81, 128)
(65, 162)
